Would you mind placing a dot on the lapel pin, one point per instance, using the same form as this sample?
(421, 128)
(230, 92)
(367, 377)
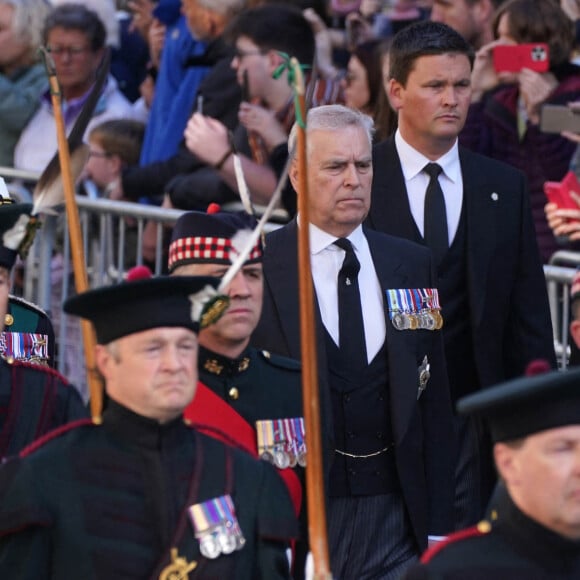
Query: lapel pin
(494, 196)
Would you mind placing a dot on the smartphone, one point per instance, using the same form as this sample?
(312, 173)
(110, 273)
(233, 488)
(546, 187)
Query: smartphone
(558, 192)
(558, 118)
(515, 57)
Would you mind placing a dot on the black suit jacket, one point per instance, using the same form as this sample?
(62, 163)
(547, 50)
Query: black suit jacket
(508, 303)
(422, 428)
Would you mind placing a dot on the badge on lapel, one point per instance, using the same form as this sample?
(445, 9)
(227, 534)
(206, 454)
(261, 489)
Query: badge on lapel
(216, 527)
(424, 376)
(414, 308)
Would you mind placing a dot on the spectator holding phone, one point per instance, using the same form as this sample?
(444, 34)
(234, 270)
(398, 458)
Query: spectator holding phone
(565, 222)
(503, 119)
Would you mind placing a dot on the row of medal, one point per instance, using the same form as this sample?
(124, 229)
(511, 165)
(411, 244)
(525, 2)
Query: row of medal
(216, 527)
(25, 346)
(415, 308)
(282, 442)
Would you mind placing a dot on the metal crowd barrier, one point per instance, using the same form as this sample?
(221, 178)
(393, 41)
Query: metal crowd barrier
(112, 234)
(559, 273)
(112, 242)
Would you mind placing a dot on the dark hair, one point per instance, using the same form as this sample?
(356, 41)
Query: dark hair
(276, 27)
(77, 17)
(423, 39)
(370, 54)
(122, 137)
(539, 21)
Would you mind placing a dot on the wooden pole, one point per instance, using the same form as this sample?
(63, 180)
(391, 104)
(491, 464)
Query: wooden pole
(311, 401)
(77, 251)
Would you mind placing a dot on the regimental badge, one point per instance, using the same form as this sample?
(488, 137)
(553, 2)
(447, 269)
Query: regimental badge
(282, 442)
(216, 527)
(424, 376)
(414, 308)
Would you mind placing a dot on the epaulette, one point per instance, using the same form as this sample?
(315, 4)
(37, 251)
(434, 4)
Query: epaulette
(57, 432)
(36, 367)
(282, 362)
(19, 301)
(481, 529)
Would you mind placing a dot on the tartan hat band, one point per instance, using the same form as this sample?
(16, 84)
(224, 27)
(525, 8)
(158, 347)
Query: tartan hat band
(201, 249)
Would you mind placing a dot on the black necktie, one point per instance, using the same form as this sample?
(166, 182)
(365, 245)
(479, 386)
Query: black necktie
(350, 319)
(436, 234)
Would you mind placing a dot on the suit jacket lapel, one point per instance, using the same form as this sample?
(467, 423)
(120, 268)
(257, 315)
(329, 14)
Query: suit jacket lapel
(284, 287)
(481, 214)
(390, 211)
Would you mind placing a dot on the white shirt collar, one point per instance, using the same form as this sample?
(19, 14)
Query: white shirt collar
(320, 240)
(413, 162)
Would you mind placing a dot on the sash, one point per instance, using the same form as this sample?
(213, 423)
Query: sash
(212, 416)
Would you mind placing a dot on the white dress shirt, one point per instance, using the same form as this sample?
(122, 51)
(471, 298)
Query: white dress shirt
(326, 261)
(416, 181)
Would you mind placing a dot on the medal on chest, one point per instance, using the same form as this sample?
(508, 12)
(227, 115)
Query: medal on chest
(216, 527)
(282, 442)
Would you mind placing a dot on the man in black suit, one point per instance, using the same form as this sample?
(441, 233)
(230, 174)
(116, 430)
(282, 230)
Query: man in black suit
(492, 286)
(391, 446)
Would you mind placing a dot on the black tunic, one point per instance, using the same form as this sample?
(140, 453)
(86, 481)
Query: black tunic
(33, 400)
(109, 502)
(514, 548)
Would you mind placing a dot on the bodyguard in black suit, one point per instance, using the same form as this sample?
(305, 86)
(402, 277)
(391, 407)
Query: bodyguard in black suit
(387, 418)
(490, 276)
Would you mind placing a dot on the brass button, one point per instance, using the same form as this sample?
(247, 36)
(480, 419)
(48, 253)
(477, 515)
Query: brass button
(484, 527)
(8, 320)
(234, 393)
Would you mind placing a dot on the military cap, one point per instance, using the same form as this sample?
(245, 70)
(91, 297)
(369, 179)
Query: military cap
(13, 227)
(138, 305)
(527, 405)
(212, 237)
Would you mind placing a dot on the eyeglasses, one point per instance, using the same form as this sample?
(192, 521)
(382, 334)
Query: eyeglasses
(240, 53)
(98, 154)
(70, 51)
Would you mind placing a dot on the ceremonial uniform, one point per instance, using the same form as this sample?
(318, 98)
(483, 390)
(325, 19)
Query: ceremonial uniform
(256, 387)
(534, 528)
(110, 502)
(28, 333)
(513, 547)
(33, 401)
(258, 384)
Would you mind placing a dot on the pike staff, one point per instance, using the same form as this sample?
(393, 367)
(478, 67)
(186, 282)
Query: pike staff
(314, 468)
(48, 192)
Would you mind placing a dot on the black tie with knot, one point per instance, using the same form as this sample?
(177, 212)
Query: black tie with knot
(350, 319)
(435, 218)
